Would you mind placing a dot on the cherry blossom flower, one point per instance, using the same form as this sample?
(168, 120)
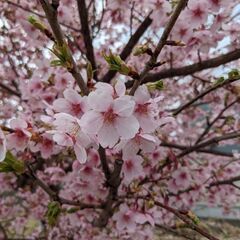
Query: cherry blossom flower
(20, 136)
(125, 219)
(109, 118)
(68, 133)
(197, 12)
(72, 103)
(182, 177)
(132, 168)
(141, 141)
(143, 111)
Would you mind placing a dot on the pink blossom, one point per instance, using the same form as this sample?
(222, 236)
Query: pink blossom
(125, 219)
(143, 111)
(141, 141)
(132, 168)
(68, 133)
(109, 118)
(181, 179)
(20, 137)
(72, 103)
(198, 12)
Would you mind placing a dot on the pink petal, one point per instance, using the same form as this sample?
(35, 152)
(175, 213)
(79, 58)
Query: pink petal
(61, 105)
(100, 101)
(123, 106)
(127, 127)
(120, 88)
(80, 152)
(18, 124)
(62, 139)
(91, 122)
(142, 95)
(3, 148)
(72, 96)
(108, 135)
(147, 124)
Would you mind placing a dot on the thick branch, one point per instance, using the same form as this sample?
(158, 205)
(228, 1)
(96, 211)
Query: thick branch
(129, 46)
(83, 15)
(104, 163)
(193, 68)
(202, 150)
(229, 181)
(150, 64)
(208, 142)
(113, 182)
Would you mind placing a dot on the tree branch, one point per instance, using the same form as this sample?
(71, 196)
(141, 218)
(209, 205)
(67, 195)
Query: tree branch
(188, 221)
(207, 129)
(37, 14)
(54, 195)
(83, 15)
(51, 14)
(193, 68)
(113, 183)
(208, 151)
(129, 46)
(9, 90)
(204, 93)
(209, 142)
(150, 64)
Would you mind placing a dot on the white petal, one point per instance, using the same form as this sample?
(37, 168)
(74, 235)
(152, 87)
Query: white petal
(101, 86)
(18, 124)
(100, 101)
(146, 123)
(72, 96)
(80, 153)
(120, 88)
(62, 139)
(91, 122)
(108, 136)
(142, 95)
(61, 105)
(123, 106)
(127, 127)
(3, 149)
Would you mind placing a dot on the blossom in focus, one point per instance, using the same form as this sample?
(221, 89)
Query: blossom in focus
(68, 133)
(109, 118)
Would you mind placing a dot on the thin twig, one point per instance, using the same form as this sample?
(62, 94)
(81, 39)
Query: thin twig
(51, 14)
(204, 93)
(150, 64)
(129, 46)
(209, 125)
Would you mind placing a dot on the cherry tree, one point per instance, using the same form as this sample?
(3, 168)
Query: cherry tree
(115, 116)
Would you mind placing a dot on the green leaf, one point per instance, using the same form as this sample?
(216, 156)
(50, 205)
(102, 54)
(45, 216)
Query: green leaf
(53, 212)
(12, 164)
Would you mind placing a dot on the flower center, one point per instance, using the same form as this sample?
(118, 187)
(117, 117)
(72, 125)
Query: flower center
(142, 108)
(109, 116)
(76, 108)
